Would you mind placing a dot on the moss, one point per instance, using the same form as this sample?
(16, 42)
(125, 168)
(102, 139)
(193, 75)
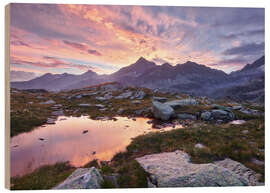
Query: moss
(107, 184)
(45, 177)
(93, 163)
(132, 175)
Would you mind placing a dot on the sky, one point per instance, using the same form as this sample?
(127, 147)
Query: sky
(62, 38)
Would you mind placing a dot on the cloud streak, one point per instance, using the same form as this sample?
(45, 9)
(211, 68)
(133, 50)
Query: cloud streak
(110, 37)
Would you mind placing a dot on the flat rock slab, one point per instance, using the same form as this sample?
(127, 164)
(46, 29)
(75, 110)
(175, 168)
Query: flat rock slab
(82, 178)
(173, 169)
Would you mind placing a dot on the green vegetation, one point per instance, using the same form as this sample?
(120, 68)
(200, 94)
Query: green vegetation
(221, 141)
(239, 142)
(45, 177)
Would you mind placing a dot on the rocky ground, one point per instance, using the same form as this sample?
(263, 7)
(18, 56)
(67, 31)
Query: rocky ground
(220, 138)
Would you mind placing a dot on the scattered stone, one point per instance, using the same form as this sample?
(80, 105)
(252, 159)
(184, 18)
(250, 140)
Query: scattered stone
(136, 102)
(174, 169)
(160, 99)
(120, 111)
(100, 105)
(47, 102)
(245, 131)
(238, 107)
(108, 96)
(58, 113)
(186, 116)
(30, 103)
(124, 95)
(162, 111)
(237, 122)
(257, 162)
(84, 105)
(101, 98)
(138, 95)
(83, 178)
(199, 146)
(51, 121)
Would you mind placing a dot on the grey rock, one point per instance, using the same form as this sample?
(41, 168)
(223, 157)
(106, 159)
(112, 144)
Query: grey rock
(82, 178)
(84, 105)
(176, 104)
(51, 121)
(120, 111)
(108, 96)
(199, 146)
(206, 116)
(100, 105)
(228, 109)
(238, 107)
(160, 99)
(237, 122)
(138, 95)
(257, 162)
(174, 169)
(240, 170)
(222, 115)
(101, 98)
(186, 116)
(47, 102)
(124, 95)
(162, 111)
(58, 113)
(136, 102)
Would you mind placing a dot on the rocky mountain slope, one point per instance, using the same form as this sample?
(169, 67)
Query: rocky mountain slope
(190, 78)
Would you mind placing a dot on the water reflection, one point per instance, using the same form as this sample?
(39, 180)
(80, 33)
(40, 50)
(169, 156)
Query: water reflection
(68, 140)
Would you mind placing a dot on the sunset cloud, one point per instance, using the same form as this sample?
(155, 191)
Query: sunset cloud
(76, 38)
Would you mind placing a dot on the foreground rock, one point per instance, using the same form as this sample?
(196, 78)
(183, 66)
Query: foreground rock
(175, 170)
(162, 111)
(82, 178)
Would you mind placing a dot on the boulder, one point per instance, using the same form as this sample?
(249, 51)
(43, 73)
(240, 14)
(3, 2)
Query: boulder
(176, 104)
(162, 111)
(82, 178)
(174, 169)
(186, 116)
(160, 99)
(206, 116)
(222, 115)
(228, 109)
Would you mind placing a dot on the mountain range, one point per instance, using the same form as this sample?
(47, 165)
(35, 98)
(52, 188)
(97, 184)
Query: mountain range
(190, 77)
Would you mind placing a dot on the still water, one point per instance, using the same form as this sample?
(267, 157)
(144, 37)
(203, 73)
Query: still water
(75, 139)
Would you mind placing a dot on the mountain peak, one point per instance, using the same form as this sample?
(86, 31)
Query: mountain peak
(167, 65)
(141, 59)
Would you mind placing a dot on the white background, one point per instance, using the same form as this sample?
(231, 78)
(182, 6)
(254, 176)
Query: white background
(209, 3)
